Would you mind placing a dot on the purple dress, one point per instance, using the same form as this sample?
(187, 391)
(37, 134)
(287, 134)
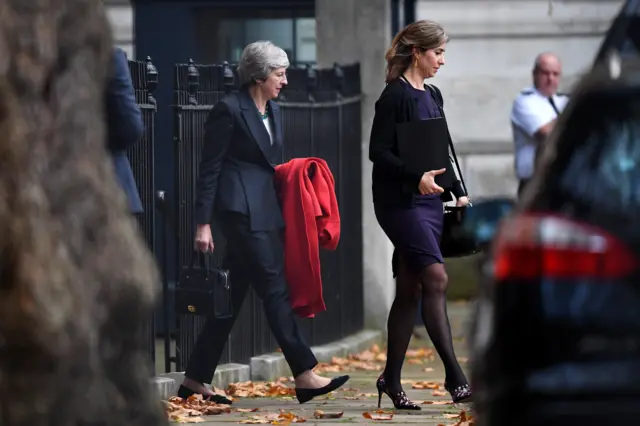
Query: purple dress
(415, 231)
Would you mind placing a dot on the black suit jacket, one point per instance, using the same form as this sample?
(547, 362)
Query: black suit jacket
(238, 160)
(392, 183)
(124, 126)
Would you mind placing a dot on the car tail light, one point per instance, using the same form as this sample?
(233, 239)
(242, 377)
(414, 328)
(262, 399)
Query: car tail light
(533, 246)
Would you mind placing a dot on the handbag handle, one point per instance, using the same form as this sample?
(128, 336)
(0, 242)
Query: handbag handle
(195, 259)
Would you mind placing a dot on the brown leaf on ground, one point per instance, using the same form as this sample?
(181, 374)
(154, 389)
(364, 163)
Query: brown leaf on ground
(437, 402)
(347, 364)
(246, 410)
(259, 390)
(291, 418)
(463, 360)
(318, 414)
(463, 419)
(273, 418)
(439, 393)
(377, 416)
(189, 410)
(425, 385)
(420, 353)
(428, 370)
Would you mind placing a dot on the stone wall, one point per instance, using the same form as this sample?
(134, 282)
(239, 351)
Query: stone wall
(351, 31)
(120, 15)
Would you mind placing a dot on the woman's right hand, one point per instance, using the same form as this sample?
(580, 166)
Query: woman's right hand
(427, 185)
(204, 239)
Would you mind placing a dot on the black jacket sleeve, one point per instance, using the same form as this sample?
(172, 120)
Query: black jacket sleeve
(217, 135)
(383, 140)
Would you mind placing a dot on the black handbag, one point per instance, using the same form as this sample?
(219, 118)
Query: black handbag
(204, 290)
(455, 241)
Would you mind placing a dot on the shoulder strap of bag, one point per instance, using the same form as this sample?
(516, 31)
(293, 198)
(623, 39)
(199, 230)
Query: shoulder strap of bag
(440, 101)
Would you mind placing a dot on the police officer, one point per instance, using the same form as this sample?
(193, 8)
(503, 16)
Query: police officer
(534, 114)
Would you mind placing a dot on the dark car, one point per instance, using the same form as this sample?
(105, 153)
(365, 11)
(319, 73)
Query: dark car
(556, 334)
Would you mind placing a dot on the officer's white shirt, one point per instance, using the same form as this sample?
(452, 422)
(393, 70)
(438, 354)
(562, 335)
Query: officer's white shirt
(531, 110)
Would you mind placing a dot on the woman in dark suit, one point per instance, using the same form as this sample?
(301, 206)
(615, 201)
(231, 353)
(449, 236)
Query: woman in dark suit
(409, 208)
(242, 143)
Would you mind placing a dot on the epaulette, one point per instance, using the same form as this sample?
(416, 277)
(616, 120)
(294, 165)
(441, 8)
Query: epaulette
(527, 92)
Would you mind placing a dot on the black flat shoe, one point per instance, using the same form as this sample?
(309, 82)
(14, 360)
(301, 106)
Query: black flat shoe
(184, 393)
(305, 395)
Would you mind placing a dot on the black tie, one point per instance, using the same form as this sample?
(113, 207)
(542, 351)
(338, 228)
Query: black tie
(553, 105)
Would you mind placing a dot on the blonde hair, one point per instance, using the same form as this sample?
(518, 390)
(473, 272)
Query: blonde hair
(423, 35)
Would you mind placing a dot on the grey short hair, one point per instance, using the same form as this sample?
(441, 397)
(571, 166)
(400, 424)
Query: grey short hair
(259, 59)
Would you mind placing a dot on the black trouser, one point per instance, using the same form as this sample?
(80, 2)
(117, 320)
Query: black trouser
(255, 257)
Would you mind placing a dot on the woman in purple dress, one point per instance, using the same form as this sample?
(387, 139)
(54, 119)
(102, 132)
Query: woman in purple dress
(409, 208)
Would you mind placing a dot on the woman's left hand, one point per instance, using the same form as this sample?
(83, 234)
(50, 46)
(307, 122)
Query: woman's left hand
(463, 202)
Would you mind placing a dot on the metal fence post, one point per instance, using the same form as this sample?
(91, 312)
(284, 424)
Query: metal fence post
(192, 76)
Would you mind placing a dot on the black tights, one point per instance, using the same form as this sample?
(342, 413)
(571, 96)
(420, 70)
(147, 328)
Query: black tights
(432, 283)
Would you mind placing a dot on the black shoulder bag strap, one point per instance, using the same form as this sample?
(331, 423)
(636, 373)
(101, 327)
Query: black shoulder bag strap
(438, 96)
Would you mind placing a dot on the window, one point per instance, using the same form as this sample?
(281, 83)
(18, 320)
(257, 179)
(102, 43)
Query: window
(601, 164)
(223, 33)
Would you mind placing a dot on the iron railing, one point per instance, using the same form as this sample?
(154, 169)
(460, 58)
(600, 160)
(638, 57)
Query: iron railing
(141, 156)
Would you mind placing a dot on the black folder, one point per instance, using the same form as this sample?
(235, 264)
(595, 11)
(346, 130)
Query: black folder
(424, 146)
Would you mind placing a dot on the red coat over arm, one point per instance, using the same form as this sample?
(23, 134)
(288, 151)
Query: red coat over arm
(312, 220)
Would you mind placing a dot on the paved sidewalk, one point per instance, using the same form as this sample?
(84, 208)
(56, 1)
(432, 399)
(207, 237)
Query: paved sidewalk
(422, 369)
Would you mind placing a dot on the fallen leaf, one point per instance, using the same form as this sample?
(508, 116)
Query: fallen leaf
(260, 390)
(438, 393)
(246, 410)
(437, 402)
(377, 416)
(189, 410)
(464, 419)
(428, 370)
(425, 385)
(273, 418)
(318, 414)
(414, 361)
(419, 353)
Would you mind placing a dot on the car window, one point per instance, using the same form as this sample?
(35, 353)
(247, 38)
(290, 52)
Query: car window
(607, 163)
(623, 36)
(598, 164)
